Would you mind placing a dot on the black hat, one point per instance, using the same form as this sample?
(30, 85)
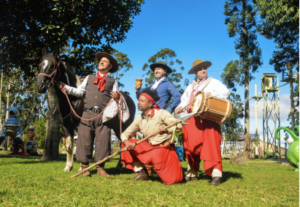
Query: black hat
(162, 65)
(152, 93)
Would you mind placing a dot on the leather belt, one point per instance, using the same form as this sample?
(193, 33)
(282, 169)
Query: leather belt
(164, 143)
(95, 110)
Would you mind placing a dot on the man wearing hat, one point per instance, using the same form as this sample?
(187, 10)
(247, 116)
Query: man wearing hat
(98, 89)
(202, 137)
(165, 89)
(158, 150)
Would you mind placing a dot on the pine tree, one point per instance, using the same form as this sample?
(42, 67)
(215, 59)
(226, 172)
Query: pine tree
(241, 23)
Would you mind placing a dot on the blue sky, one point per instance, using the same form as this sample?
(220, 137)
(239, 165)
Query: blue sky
(194, 30)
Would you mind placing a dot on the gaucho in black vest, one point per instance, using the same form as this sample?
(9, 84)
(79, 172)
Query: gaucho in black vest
(98, 89)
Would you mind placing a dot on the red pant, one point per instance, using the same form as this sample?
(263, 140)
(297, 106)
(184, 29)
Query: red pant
(202, 141)
(163, 158)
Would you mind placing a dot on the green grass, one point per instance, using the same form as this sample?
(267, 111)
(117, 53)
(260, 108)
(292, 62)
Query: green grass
(26, 181)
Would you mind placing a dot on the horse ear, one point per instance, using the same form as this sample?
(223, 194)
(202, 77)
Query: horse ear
(55, 52)
(44, 51)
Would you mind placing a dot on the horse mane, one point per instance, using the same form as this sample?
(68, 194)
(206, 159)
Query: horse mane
(71, 74)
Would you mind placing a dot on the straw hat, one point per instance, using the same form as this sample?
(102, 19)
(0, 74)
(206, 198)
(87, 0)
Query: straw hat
(199, 63)
(111, 59)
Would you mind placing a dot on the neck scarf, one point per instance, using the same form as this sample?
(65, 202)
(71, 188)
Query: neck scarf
(195, 86)
(157, 82)
(155, 106)
(100, 81)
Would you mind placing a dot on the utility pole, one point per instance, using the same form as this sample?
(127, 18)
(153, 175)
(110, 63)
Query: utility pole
(257, 98)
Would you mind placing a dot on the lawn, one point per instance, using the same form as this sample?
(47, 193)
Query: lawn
(26, 181)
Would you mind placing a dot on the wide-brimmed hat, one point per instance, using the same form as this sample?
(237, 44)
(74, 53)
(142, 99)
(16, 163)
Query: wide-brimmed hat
(112, 60)
(198, 63)
(160, 64)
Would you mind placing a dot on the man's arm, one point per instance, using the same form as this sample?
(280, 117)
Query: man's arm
(130, 131)
(175, 93)
(184, 100)
(112, 109)
(138, 93)
(80, 91)
(169, 119)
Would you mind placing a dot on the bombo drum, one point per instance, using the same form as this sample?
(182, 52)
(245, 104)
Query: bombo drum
(212, 108)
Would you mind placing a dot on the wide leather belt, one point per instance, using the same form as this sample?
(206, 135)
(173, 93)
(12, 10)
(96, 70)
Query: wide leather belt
(95, 110)
(164, 143)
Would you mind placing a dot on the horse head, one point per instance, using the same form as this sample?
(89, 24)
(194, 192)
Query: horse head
(49, 69)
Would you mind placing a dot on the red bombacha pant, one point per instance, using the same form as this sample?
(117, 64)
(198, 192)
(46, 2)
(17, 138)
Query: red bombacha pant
(163, 158)
(201, 140)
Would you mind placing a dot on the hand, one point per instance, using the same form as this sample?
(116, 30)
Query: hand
(138, 88)
(60, 85)
(129, 145)
(162, 130)
(115, 96)
(179, 110)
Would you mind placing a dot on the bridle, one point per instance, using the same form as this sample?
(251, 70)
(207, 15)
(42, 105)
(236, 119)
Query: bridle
(53, 74)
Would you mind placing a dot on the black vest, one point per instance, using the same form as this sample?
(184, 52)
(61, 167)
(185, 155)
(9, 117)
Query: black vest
(95, 97)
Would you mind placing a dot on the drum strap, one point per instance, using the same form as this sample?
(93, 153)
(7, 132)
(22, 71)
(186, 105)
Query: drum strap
(192, 95)
(206, 83)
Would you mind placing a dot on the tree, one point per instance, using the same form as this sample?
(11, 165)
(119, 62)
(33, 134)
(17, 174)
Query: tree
(232, 128)
(88, 26)
(296, 104)
(51, 150)
(280, 21)
(124, 65)
(166, 55)
(29, 26)
(240, 21)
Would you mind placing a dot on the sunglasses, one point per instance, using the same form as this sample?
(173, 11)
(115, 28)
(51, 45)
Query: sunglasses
(200, 69)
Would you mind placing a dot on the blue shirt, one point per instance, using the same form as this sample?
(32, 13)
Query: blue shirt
(165, 91)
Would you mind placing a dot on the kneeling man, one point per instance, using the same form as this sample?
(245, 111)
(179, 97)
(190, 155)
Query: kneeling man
(157, 151)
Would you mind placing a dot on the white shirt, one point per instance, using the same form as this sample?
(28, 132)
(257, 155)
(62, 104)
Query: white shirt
(112, 109)
(157, 82)
(215, 87)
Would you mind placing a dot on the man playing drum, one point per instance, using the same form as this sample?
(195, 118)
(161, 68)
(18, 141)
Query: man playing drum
(202, 137)
(157, 151)
(98, 90)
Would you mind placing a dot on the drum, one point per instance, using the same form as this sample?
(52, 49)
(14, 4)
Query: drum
(212, 108)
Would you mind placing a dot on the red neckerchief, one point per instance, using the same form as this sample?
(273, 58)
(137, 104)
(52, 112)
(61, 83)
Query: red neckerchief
(100, 81)
(155, 106)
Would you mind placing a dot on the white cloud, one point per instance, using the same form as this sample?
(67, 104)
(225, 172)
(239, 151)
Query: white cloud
(285, 107)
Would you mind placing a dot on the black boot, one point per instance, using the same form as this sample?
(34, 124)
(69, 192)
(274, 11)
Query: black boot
(216, 181)
(141, 175)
